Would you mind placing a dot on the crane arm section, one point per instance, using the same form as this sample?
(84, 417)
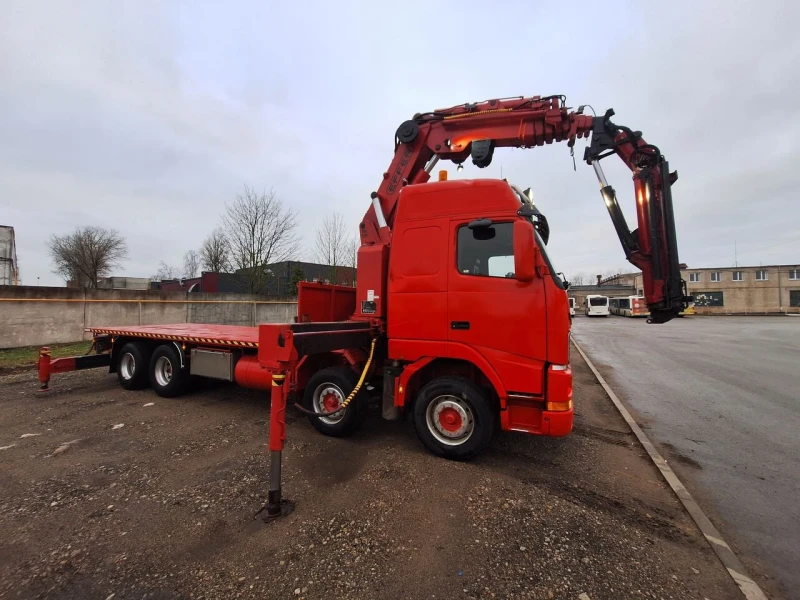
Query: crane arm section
(475, 130)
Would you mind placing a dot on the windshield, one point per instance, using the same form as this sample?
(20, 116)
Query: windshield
(598, 301)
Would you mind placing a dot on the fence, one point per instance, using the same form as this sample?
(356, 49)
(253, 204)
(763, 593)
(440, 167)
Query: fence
(34, 316)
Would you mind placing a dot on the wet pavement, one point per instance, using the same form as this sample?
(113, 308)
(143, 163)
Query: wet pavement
(721, 395)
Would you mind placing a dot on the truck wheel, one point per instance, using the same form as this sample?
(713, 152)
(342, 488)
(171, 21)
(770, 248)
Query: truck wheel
(166, 375)
(326, 390)
(453, 418)
(132, 366)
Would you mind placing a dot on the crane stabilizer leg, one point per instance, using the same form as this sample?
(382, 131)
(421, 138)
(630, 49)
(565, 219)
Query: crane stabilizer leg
(276, 505)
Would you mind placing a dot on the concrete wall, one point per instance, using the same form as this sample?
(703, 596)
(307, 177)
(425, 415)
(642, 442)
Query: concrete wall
(35, 316)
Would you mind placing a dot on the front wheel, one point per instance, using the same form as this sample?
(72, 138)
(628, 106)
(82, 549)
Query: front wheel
(167, 376)
(453, 418)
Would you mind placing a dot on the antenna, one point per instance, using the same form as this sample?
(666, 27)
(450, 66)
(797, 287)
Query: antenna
(735, 255)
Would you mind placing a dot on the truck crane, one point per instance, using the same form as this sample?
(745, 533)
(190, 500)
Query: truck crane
(458, 319)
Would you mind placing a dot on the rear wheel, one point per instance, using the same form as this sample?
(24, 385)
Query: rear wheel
(325, 392)
(167, 376)
(132, 364)
(452, 417)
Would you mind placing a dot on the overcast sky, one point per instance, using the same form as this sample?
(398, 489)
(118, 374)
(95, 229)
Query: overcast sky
(147, 117)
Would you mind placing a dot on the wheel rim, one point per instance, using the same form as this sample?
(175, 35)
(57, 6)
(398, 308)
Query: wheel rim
(127, 366)
(450, 420)
(163, 371)
(329, 397)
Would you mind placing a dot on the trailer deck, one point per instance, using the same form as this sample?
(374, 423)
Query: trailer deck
(196, 333)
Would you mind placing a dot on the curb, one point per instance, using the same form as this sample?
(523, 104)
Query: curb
(736, 570)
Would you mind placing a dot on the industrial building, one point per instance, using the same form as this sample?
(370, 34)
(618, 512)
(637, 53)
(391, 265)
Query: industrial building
(279, 280)
(754, 290)
(9, 269)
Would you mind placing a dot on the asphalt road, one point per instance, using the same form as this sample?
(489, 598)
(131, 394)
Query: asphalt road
(722, 397)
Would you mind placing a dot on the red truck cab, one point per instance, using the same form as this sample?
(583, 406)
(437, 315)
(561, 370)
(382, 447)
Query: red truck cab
(473, 299)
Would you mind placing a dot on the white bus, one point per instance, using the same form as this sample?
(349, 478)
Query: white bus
(571, 306)
(596, 306)
(629, 306)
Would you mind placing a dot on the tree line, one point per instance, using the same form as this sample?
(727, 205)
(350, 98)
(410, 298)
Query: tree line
(255, 229)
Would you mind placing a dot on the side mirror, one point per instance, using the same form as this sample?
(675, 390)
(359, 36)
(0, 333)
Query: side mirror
(524, 251)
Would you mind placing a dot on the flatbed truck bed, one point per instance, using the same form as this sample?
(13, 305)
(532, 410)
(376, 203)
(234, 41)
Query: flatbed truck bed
(226, 336)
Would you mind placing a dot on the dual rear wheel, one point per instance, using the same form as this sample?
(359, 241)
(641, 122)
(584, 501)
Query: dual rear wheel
(162, 369)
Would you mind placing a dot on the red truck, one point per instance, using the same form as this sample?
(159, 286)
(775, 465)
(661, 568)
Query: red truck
(459, 316)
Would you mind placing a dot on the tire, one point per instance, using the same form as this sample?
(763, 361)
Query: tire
(446, 405)
(336, 383)
(133, 366)
(167, 377)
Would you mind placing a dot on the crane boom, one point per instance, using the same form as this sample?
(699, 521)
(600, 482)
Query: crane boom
(475, 130)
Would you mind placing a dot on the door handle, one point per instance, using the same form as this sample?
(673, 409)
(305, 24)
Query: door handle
(459, 325)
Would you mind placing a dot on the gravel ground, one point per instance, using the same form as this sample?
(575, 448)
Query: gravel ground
(114, 494)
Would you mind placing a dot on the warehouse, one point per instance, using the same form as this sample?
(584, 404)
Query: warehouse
(759, 290)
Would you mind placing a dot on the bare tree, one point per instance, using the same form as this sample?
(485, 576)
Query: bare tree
(166, 272)
(331, 246)
(580, 279)
(86, 255)
(215, 252)
(191, 264)
(260, 231)
(351, 257)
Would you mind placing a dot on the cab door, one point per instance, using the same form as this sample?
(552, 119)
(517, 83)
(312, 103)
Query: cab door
(489, 311)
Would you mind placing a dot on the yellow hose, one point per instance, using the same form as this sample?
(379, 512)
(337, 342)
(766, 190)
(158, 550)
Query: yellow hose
(352, 394)
(360, 379)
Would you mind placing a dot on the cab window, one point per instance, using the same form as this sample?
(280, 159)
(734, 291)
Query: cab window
(486, 251)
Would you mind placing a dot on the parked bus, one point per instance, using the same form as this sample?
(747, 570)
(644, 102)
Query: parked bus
(629, 306)
(596, 306)
(571, 307)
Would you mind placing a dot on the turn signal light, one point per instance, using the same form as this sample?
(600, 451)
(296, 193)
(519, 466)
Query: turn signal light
(559, 405)
(442, 175)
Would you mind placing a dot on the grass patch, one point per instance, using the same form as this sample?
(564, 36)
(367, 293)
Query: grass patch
(28, 355)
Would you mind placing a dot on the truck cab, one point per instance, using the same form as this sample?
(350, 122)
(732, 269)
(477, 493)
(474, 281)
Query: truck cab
(472, 295)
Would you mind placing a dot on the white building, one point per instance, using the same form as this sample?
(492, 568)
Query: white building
(9, 270)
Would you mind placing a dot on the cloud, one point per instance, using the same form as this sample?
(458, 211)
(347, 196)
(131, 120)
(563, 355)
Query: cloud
(149, 116)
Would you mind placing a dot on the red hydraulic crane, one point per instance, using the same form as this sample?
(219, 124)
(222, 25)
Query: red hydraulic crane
(477, 129)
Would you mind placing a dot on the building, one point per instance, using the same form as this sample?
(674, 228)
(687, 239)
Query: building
(279, 279)
(124, 283)
(9, 269)
(282, 274)
(770, 289)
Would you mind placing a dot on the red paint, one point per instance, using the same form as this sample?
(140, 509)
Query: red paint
(43, 365)
(330, 402)
(450, 419)
(249, 373)
(277, 413)
(320, 302)
(225, 334)
(372, 268)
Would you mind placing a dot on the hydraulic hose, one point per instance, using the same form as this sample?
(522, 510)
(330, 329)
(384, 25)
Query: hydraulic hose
(352, 394)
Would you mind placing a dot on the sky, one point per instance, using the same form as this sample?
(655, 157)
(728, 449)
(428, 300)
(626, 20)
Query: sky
(148, 116)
